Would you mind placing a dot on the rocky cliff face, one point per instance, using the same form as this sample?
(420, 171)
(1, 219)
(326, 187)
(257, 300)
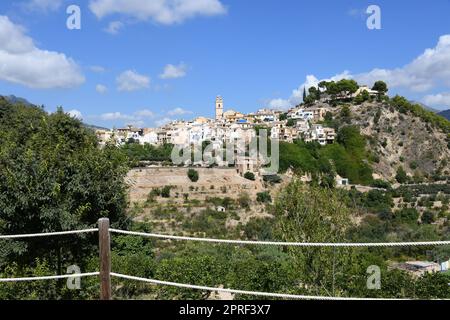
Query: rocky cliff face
(402, 139)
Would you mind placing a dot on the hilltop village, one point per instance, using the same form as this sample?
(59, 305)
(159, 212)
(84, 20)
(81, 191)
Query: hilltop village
(297, 123)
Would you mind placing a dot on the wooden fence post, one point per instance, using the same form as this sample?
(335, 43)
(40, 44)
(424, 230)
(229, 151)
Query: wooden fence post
(105, 258)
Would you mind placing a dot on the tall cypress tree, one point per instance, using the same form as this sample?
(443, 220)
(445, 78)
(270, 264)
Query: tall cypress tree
(304, 94)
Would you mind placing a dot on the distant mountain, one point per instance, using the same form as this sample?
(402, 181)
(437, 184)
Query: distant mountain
(16, 100)
(445, 114)
(425, 106)
(94, 127)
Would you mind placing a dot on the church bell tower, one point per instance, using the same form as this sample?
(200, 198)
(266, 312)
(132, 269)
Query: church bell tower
(219, 108)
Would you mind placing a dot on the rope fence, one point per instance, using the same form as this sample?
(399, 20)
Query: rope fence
(105, 273)
(291, 244)
(49, 234)
(243, 292)
(64, 276)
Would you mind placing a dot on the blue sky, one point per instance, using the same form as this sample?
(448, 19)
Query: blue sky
(254, 53)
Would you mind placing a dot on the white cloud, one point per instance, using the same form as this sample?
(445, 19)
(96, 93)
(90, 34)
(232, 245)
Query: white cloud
(43, 5)
(358, 13)
(162, 122)
(165, 12)
(178, 112)
(136, 123)
(111, 116)
(428, 70)
(145, 113)
(21, 62)
(130, 81)
(279, 104)
(75, 114)
(136, 117)
(174, 72)
(101, 89)
(438, 100)
(423, 73)
(114, 27)
(297, 94)
(97, 69)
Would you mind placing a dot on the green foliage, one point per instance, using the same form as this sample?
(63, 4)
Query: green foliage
(381, 87)
(310, 214)
(408, 215)
(342, 86)
(137, 152)
(428, 217)
(193, 175)
(249, 176)
(362, 97)
(345, 114)
(165, 191)
(272, 179)
(200, 269)
(348, 158)
(291, 122)
(404, 106)
(259, 229)
(381, 184)
(53, 177)
(244, 200)
(263, 197)
(134, 256)
(401, 175)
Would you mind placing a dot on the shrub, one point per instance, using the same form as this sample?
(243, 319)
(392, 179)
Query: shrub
(428, 217)
(264, 197)
(272, 178)
(407, 215)
(401, 175)
(193, 175)
(244, 200)
(381, 184)
(165, 192)
(249, 176)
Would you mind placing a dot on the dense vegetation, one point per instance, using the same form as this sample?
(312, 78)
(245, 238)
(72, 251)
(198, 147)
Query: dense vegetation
(53, 177)
(138, 153)
(347, 157)
(300, 213)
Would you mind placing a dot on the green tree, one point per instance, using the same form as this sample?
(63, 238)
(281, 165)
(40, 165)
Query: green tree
(314, 214)
(381, 87)
(346, 114)
(54, 177)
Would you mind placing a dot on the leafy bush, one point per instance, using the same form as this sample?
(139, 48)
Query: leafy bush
(193, 175)
(263, 197)
(249, 176)
(165, 192)
(401, 175)
(428, 217)
(407, 215)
